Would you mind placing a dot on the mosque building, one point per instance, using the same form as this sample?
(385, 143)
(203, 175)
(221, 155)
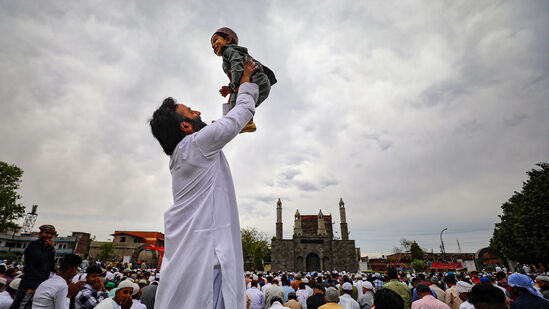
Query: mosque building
(313, 247)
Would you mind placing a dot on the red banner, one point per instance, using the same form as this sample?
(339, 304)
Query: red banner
(438, 265)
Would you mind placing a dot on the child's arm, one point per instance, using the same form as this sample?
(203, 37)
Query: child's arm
(214, 136)
(236, 60)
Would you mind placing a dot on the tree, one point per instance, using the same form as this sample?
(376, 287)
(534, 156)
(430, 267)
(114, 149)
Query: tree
(258, 259)
(522, 234)
(10, 209)
(252, 239)
(415, 251)
(418, 265)
(107, 251)
(405, 244)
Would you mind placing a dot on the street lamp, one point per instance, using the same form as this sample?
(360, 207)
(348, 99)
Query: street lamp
(442, 244)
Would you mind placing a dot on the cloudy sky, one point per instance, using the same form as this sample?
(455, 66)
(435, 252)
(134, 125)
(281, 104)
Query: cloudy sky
(420, 115)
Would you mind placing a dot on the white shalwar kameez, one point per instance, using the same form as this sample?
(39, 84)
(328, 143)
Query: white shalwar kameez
(202, 229)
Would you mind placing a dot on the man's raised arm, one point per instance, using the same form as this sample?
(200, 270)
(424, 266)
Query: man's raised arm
(215, 136)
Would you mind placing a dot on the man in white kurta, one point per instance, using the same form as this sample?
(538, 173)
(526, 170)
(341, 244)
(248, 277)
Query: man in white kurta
(202, 229)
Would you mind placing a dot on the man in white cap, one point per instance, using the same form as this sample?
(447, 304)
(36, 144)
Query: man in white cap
(6, 297)
(257, 297)
(543, 283)
(358, 284)
(463, 289)
(136, 296)
(366, 300)
(346, 300)
(122, 298)
(332, 299)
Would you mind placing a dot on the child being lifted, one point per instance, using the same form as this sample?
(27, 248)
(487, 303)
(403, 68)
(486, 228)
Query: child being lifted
(225, 44)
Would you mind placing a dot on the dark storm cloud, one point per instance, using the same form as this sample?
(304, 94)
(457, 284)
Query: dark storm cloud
(418, 115)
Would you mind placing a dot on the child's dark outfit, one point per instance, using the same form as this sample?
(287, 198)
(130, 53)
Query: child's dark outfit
(233, 66)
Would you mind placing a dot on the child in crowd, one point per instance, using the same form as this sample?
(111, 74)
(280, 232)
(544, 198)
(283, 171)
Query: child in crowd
(225, 44)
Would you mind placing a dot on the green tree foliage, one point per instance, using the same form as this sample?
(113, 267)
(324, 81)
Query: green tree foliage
(107, 251)
(523, 234)
(415, 251)
(418, 265)
(252, 240)
(258, 259)
(10, 209)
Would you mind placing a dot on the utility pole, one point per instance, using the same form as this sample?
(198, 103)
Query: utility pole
(442, 250)
(459, 247)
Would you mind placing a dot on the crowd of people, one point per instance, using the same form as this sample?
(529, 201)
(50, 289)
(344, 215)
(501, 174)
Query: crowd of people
(75, 283)
(394, 289)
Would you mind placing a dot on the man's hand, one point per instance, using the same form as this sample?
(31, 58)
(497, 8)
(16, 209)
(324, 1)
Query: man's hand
(225, 90)
(249, 68)
(74, 288)
(98, 285)
(50, 242)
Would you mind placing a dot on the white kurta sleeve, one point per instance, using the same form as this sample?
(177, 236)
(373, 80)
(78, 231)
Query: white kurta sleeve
(60, 299)
(213, 137)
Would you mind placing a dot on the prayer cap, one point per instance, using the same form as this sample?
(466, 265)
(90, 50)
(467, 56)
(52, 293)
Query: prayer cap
(305, 280)
(14, 284)
(347, 286)
(135, 289)
(46, 227)
(3, 281)
(484, 280)
(255, 277)
(298, 276)
(125, 284)
(230, 32)
(523, 281)
(368, 285)
(110, 284)
(332, 294)
(542, 278)
(463, 287)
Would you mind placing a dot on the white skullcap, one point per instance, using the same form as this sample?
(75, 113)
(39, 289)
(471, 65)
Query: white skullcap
(368, 285)
(463, 287)
(255, 277)
(305, 280)
(347, 286)
(135, 289)
(14, 284)
(3, 281)
(125, 284)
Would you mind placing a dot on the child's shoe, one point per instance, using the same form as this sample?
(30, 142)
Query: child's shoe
(249, 127)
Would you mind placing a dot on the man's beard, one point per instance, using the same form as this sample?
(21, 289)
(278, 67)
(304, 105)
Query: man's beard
(197, 123)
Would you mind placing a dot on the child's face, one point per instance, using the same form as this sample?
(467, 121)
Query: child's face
(218, 42)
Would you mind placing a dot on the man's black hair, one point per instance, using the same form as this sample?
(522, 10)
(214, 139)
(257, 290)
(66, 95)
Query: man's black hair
(387, 299)
(421, 277)
(292, 295)
(69, 261)
(486, 295)
(302, 285)
(165, 126)
(450, 279)
(346, 279)
(94, 269)
(423, 288)
(225, 36)
(414, 280)
(2, 269)
(392, 273)
(276, 298)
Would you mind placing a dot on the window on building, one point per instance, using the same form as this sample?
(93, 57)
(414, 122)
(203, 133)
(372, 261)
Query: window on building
(123, 239)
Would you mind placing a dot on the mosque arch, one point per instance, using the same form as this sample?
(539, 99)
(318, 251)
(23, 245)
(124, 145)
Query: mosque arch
(299, 263)
(137, 254)
(312, 262)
